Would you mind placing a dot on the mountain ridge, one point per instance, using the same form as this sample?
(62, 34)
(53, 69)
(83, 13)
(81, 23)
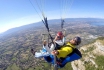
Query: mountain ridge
(53, 21)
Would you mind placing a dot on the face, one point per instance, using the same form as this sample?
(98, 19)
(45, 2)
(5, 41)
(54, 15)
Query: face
(59, 37)
(73, 41)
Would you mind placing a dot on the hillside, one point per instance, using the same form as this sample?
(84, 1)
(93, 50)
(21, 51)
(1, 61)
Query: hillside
(15, 44)
(93, 55)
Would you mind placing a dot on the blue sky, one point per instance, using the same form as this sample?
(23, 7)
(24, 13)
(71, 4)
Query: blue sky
(15, 13)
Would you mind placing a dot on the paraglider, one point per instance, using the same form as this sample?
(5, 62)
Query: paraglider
(59, 53)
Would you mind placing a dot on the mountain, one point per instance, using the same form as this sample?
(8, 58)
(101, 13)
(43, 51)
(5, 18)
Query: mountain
(15, 44)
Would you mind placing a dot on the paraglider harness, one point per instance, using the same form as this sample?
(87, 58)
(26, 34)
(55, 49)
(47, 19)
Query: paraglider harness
(75, 55)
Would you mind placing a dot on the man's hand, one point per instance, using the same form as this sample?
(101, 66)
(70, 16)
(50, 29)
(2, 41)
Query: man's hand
(55, 52)
(44, 42)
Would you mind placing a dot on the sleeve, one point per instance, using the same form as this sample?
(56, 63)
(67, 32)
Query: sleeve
(59, 42)
(52, 47)
(63, 40)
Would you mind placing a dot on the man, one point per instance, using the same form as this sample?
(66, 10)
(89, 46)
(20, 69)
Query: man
(68, 48)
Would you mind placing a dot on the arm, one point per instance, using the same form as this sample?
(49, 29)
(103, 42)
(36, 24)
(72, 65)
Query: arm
(45, 45)
(55, 39)
(63, 52)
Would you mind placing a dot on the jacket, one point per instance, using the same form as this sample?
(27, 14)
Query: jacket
(65, 50)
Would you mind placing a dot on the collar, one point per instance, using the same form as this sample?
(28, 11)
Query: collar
(70, 44)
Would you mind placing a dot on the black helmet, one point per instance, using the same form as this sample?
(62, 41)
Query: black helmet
(78, 40)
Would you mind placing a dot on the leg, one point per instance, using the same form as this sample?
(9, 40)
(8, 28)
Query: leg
(48, 59)
(41, 54)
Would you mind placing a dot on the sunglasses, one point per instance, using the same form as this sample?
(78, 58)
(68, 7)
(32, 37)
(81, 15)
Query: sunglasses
(58, 36)
(75, 40)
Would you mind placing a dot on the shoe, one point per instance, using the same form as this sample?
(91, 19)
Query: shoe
(32, 51)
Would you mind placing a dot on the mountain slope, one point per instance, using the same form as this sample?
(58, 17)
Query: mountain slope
(93, 55)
